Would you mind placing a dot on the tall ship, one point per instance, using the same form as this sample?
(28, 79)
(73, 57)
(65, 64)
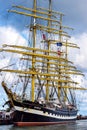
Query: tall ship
(43, 89)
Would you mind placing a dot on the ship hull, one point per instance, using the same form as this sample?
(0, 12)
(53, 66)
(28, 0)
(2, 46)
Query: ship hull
(36, 115)
(29, 119)
(30, 113)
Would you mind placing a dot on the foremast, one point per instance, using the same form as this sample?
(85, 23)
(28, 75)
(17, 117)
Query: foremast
(33, 57)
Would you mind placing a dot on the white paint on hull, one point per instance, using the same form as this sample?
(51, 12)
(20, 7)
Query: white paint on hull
(38, 112)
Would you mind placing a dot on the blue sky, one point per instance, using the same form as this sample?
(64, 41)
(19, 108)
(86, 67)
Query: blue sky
(75, 16)
(75, 12)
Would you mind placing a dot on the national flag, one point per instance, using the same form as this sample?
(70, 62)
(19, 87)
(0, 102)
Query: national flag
(59, 44)
(44, 37)
(59, 52)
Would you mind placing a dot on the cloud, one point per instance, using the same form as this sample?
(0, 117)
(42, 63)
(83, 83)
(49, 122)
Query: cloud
(79, 56)
(9, 35)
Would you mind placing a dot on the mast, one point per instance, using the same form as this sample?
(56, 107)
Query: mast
(48, 65)
(66, 84)
(59, 67)
(34, 43)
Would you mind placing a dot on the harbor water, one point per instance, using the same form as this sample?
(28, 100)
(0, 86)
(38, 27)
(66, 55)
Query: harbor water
(78, 125)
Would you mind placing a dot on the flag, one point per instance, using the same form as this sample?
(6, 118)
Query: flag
(59, 44)
(44, 37)
(59, 52)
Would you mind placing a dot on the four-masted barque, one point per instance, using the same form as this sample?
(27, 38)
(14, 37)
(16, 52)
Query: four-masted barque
(47, 94)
